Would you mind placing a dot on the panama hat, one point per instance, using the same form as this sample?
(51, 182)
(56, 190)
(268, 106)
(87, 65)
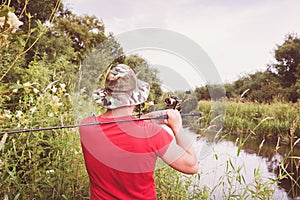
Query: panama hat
(122, 88)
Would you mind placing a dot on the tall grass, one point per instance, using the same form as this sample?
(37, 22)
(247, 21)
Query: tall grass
(171, 184)
(242, 117)
(265, 122)
(43, 165)
(49, 164)
(46, 164)
(288, 169)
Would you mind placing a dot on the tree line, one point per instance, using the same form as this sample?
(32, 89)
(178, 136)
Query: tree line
(53, 43)
(279, 82)
(43, 48)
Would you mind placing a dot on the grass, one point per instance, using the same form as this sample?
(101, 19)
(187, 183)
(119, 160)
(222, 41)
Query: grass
(49, 165)
(44, 165)
(261, 123)
(269, 120)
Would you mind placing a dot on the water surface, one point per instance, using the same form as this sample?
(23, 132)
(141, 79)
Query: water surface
(230, 169)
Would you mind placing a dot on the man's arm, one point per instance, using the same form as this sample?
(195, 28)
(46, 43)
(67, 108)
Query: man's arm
(180, 154)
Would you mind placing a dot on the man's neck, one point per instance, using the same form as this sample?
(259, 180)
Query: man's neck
(119, 112)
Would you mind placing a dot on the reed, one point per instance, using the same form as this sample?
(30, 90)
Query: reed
(49, 165)
(288, 170)
(43, 166)
(274, 119)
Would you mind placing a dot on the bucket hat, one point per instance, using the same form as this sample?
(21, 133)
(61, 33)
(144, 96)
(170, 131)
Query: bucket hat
(122, 88)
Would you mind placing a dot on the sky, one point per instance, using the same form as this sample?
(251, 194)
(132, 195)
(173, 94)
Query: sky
(239, 36)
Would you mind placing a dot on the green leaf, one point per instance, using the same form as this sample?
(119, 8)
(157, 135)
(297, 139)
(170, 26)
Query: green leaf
(22, 42)
(12, 9)
(4, 11)
(40, 25)
(29, 15)
(216, 156)
(17, 196)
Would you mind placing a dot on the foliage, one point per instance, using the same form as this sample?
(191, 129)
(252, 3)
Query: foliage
(35, 10)
(287, 65)
(49, 164)
(39, 69)
(264, 87)
(39, 72)
(202, 93)
(280, 82)
(171, 184)
(274, 119)
(234, 185)
(85, 32)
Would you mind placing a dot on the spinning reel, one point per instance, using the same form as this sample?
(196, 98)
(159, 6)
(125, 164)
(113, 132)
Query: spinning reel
(172, 102)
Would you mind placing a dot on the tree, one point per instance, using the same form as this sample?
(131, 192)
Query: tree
(50, 51)
(33, 10)
(86, 32)
(202, 93)
(287, 55)
(287, 65)
(263, 87)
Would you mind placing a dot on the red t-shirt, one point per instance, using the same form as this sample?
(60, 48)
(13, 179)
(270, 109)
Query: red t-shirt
(120, 158)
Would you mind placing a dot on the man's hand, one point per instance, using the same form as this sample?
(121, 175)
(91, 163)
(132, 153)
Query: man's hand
(174, 120)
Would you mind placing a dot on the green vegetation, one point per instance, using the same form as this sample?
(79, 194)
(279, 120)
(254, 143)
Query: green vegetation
(171, 184)
(279, 82)
(267, 120)
(49, 164)
(39, 67)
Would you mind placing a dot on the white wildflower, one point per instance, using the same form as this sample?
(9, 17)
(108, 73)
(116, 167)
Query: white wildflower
(33, 109)
(49, 171)
(27, 84)
(55, 98)
(15, 90)
(7, 114)
(19, 114)
(63, 86)
(151, 103)
(48, 24)
(50, 114)
(31, 99)
(35, 90)
(12, 20)
(83, 90)
(53, 89)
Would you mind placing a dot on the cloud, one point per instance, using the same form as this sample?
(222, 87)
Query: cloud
(239, 39)
(239, 36)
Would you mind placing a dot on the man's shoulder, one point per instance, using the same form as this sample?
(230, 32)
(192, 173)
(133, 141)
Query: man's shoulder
(90, 119)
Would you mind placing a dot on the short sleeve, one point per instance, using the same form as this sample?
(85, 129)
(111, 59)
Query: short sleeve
(161, 141)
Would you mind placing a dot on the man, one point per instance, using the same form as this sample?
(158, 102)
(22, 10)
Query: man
(120, 157)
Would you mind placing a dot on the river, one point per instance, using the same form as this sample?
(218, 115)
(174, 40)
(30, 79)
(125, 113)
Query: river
(226, 168)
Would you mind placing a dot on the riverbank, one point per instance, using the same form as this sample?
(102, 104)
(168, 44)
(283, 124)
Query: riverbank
(51, 166)
(267, 120)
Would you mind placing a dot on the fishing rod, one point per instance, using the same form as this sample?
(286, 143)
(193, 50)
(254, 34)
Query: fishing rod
(96, 123)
